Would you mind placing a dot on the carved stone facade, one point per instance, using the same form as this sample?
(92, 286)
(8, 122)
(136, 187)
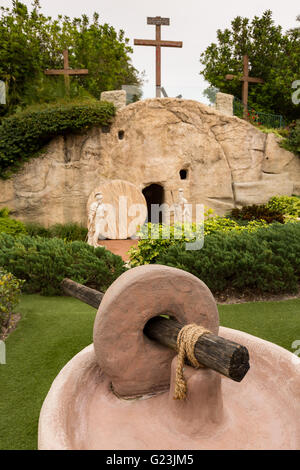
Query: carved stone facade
(218, 160)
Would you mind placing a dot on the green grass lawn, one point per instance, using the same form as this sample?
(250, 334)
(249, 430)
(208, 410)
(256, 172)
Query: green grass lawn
(53, 329)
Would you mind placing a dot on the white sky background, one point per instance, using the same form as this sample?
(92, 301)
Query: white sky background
(191, 21)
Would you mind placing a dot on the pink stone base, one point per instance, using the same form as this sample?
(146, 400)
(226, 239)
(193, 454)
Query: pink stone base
(262, 412)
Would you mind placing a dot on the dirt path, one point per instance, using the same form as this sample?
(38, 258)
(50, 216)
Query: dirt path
(119, 247)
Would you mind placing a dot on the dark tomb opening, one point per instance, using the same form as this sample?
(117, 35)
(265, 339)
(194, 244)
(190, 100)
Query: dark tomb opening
(121, 135)
(183, 174)
(154, 194)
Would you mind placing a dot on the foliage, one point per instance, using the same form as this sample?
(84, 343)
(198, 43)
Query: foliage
(69, 232)
(44, 263)
(156, 239)
(9, 225)
(287, 205)
(258, 212)
(211, 94)
(37, 230)
(24, 134)
(297, 28)
(264, 261)
(32, 42)
(4, 212)
(292, 141)
(274, 56)
(10, 290)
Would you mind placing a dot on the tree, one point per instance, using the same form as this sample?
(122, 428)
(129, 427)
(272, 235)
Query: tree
(32, 42)
(274, 56)
(211, 93)
(297, 28)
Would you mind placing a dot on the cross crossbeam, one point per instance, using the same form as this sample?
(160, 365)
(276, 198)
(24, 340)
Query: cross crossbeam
(152, 42)
(66, 71)
(158, 21)
(246, 80)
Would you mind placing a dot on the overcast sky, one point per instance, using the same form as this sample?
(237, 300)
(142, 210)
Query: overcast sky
(191, 21)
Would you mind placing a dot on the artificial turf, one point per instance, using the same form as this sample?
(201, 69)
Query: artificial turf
(53, 329)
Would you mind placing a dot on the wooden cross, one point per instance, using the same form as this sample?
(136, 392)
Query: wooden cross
(158, 21)
(246, 80)
(66, 71)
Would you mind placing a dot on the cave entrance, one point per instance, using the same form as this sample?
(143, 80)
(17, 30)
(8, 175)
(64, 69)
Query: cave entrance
(154, 194)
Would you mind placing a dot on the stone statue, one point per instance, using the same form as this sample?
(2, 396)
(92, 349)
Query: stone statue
(95, 220)
(182, 212)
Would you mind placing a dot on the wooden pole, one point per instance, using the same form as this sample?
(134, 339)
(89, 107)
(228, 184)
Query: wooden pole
(245, 85)
(66, 67)
(87, 295)
(246, 80)
(158, 61)
(158, 21)
(222, 355)
(66, 72)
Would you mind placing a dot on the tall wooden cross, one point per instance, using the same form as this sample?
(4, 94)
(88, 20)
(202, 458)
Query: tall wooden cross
(158, 21)
(66, 71)
(246, 80)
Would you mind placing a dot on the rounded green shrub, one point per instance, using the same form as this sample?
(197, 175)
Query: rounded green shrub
(157, 238)
(9, 225)
(44, 263)
(286, 205)
(264, 261)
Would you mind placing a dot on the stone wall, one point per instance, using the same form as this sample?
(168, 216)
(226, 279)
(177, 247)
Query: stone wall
(116, 97)
(224, 103)
(228, 162)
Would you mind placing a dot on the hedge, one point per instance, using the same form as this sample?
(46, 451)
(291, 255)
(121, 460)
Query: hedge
(24, 134)
(69, 232)
(264, 261)
(43, 263)
(157, 238)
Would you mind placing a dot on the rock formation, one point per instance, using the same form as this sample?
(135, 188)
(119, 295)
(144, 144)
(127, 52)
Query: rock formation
(218, 160)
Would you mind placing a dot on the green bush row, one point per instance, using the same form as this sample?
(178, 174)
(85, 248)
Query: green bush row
(24, 134)
(264, 261)
(68, 232)
(43, 263)
(157, 238)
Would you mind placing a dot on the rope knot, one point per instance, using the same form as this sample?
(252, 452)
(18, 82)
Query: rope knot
(186, 340)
